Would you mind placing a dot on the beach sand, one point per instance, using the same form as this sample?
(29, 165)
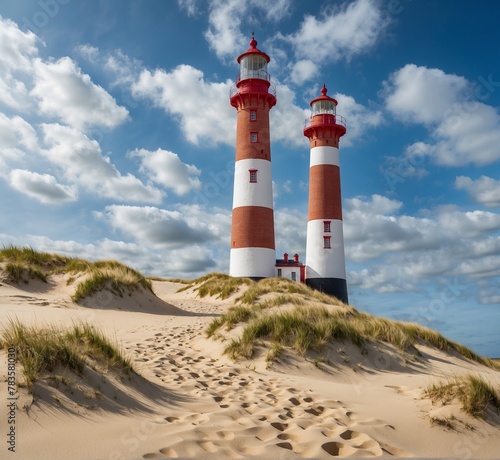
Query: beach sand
(188, 400)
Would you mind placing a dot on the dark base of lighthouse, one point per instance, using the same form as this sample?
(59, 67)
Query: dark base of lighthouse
(336, 287)
(255, 278)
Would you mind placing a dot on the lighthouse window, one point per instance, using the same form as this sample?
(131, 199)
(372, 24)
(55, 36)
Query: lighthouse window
(327, 226)
(253, 137)
(326, 242)
(253, 176)
(253, 115)
(294, 276)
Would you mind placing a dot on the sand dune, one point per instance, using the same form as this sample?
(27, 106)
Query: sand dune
(190, 400)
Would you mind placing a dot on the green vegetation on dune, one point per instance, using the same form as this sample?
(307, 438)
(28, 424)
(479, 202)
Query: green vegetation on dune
(473, 392)
(217, 284)
(310, 321)
(112, 275)
(41, 350)
(23, 264)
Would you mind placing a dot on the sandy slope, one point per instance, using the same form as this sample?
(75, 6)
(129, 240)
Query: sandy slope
(189, 401)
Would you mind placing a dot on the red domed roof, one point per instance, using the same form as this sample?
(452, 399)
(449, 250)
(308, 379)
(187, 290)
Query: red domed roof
(324, 97)
(253, 50)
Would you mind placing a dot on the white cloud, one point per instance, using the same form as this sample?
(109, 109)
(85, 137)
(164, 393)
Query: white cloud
(291, 227)
(202, 107)
(340, 33)
(166, 168)
(358, 118)
(400, 253)
(422, 95)
(224, 35)
(287, 119)
(169, 229)
(303, 70)
(225, 17)
(42, 187)
(484, 190)
(191, 6)
(65, 92)
(89, 52)
(81, 162)
(464, 131)
(17, 137)
(17, 49)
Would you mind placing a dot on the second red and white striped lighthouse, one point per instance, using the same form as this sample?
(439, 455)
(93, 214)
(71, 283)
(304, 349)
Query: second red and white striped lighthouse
(325, 259)
(253, 252)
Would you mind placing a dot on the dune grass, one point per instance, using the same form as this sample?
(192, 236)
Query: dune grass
(44, 349)
(473, 392)
(22, 264)
(112, 275)
(217, 285)
(311, 320)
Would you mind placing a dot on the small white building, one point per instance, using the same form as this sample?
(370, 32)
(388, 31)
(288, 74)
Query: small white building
(292, 269)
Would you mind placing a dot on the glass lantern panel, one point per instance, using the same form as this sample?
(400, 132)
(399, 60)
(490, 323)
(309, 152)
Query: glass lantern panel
(253, 66)
(324, 107)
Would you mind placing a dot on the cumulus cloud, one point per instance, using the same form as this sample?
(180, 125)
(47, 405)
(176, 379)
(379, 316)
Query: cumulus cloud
(224, 31)
(464, 130)
(42, 187)
(484, 190)
(287, 119)
(17, 137)
(398, 252)
(303, 70)
(202, 107)
(65, 92)
(82, 163)
(172, 229)
(338, 33)
(291, 227)
(422, 95)
(166, 168)
(17, 49)
(359, 118)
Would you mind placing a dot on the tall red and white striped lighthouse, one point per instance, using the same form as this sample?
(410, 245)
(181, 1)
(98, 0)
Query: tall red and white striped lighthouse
(325, 260)
(252, 234)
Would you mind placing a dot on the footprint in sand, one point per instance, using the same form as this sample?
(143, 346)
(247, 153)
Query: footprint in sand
(225, 435)
(208, 446)
(333, 448)
(279, 426)
(285, 445)
(167, 452)
(316, 411)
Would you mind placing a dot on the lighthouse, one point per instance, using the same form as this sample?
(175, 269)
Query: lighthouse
(325, 260)
(252, 233)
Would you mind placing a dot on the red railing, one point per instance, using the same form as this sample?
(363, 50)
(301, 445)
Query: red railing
(325, 119)
(256, 74)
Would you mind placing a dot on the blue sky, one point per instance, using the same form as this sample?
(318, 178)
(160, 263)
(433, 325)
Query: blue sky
(117, 140)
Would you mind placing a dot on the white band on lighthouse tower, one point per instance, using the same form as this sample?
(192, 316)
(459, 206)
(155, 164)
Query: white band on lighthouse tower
(253, 262)
(326, 262)
(324, 155)
(258, 193)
